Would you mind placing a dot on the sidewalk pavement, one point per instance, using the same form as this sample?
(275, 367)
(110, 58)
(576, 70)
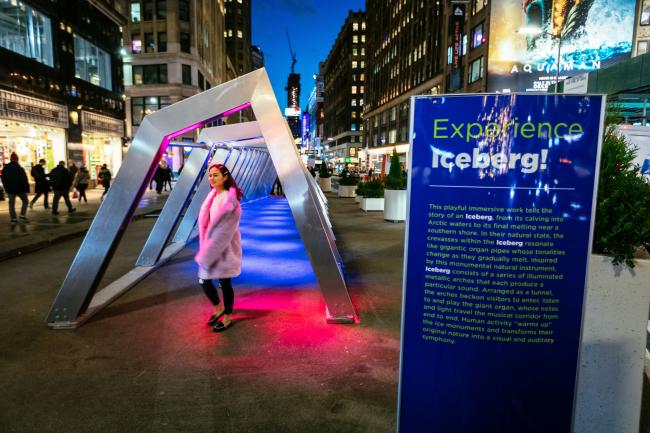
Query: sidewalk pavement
(44, 229)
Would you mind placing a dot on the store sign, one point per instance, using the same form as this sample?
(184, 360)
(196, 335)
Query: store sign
(93, 122)
(577, 84)
(24, 108)
(594, 33)
(500, 219)
(456, 22)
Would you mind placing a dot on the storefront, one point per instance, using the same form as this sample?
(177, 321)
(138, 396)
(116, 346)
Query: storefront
(32, 128)
(101, 144)
(379, 157)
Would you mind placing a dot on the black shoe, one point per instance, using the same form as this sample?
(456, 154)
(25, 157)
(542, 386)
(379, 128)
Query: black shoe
(46, 207)
(14, 220)
(54, 212)
(23, 218)
(73, 210)
(214, 319)
(220, 327)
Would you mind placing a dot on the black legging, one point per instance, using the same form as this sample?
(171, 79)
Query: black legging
(228, 293)
(82, 191)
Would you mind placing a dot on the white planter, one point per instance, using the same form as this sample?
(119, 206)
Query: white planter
(357, 198)
(613, 348)
(325, 184)
(395, 205)
(347, 190)
(371, 204)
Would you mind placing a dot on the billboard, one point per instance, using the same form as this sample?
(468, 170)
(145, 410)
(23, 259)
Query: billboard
(593, 34)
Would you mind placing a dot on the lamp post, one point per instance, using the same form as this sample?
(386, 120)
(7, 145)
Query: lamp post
(531, 31)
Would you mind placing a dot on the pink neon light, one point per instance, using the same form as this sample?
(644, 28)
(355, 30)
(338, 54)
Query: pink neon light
(184, 130)
(236, 109)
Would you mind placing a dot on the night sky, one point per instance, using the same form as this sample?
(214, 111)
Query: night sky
(313, 27)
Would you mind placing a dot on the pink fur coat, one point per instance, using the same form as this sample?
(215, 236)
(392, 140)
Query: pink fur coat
(220, 251)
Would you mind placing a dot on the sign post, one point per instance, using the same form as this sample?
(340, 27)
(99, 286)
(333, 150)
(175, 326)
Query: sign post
(501, 204)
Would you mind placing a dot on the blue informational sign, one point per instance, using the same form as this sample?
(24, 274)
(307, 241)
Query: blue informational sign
(500, 216)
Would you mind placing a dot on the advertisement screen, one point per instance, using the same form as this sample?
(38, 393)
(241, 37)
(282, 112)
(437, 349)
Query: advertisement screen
(593, 34)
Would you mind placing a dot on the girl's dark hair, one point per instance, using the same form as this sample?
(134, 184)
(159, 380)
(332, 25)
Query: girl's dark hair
(230, 181)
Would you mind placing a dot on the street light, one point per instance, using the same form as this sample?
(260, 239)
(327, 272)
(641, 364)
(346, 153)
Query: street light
(533, 31)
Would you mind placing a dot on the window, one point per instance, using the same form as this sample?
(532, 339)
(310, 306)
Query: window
(478, 36)
(642, 47)
(353, 127)
(361, 102)
(187, 74)
(184, 10)
(363, 64)
(201, 81)
(392, 136)
(354, 114)
(354, 90)
(362, 77)
(161, 9)
(363, 25)
(355, 39)
(162, 42)
(92, 64)
(363, 38)
(149, 44)
(140, 107)
(354, 64)
(354, 102)
(645, 13)
(147, 10)
(354, 51)
(26, 31)
(136, 43)
(363, 51)
(185, 42)
(150, 74)
(361, 89)
(135, 12)
(450, 54)
(476, 70)
(240, 34)
(478, 6)
(355, 26)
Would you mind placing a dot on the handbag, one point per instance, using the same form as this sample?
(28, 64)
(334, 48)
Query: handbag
(75, 194)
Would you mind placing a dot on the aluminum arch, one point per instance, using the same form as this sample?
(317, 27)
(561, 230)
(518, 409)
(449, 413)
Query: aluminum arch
(77, 301)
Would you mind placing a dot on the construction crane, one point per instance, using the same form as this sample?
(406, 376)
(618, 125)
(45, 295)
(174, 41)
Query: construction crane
(293, 54)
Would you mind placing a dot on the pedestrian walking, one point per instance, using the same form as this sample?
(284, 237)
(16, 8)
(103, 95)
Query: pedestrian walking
(16, 184)
(41, 184)
(220, 251)
(73, 169)
(159, 177)
(61, 183)
(81, 181)
(106, 176)
(167, 177)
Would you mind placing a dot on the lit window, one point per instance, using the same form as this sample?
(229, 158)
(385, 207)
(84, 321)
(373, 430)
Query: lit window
(642, 47)
(362, 77)
(361, 89)
(136, 44)
(355, 39)
(225, 33)
(354, 114)
(354, 90)
(92, 64)
(355, 26)
(135, 12)
(645, 13)
(240, 34)
(26, 31)
(354, 102)
(353, 127)
(354, 64)
(363, 25)
(361, 102)
(478, 36)
(363, 38)
(229, 32)
(476, 70)
(363, 64)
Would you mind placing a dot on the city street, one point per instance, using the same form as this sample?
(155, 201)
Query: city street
(148, 362)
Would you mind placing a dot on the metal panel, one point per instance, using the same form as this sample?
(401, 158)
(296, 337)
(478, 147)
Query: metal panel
(252, 169)
(306, 211)
(156, 130)
(258, 181)
(174, 206)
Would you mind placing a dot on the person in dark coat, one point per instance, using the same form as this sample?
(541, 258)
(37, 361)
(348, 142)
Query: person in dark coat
(16, 184)
(42, 184)
(106, 176)
(167, 177)
(61, 183)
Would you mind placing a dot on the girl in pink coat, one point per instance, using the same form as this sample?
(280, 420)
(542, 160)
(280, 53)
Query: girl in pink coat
(220, 251)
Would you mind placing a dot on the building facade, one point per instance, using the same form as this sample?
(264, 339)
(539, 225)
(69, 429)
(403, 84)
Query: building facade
(238, 34)
(174, 50)
(292, 111)
(313, 145)
(345, 82)
(642, 38)
(257, 57)
(61, 82)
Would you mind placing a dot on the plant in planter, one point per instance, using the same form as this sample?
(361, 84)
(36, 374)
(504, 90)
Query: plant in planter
(348, 184)
(395, 191)
(324, 178)
(360, 190)
(373, 196)
(616, 311)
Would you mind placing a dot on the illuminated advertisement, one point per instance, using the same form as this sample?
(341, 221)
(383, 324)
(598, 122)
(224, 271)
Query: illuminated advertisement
(526, 34)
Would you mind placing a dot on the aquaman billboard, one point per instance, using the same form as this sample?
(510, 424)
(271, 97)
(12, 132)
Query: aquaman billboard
(525, 36)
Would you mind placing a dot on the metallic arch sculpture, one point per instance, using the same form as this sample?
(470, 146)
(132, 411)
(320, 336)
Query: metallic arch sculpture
(254, 152)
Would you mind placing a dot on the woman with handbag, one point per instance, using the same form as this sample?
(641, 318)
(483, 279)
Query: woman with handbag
(220, 251)
(81, 181)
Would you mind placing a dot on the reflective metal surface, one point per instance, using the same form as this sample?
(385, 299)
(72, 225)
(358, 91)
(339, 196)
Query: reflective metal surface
(176, 202)
(249, 165)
